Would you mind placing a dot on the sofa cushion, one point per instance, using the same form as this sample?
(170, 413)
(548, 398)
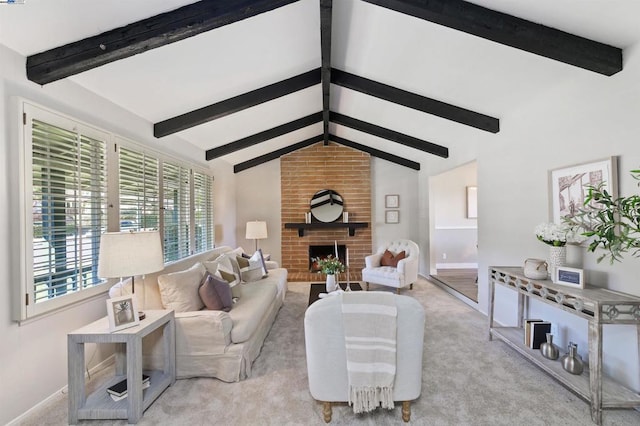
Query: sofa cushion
(215, 293)
(248, 313)
(232, 280)
(179, 290)
(390, 259)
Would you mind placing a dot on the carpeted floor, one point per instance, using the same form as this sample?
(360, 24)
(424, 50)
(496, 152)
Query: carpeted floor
(467, 380)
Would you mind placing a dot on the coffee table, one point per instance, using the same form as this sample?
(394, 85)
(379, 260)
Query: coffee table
(317, 288)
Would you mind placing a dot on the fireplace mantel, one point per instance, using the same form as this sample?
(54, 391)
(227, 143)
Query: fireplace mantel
(326, 225)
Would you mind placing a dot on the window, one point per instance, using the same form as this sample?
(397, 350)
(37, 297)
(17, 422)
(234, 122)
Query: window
(67, 199)
(78, 183)
(139, 190)
(203, 211)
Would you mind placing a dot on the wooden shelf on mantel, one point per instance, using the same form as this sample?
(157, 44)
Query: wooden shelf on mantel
(326, 225)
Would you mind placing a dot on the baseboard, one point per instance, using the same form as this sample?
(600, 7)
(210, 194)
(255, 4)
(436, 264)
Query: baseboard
(456, 266)
(64, 390)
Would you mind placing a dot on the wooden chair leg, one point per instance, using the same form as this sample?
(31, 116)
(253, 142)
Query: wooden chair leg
(367, 285)
(411, 286)
(326, 411)
(406, 411)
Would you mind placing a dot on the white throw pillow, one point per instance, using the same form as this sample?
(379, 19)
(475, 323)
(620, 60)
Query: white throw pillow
(253, 268)
(179, 290)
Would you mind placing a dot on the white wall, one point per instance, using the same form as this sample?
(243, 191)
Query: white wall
(587, 118)
(33, 356)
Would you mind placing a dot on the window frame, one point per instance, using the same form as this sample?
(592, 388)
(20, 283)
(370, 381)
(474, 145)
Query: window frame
(24, 307)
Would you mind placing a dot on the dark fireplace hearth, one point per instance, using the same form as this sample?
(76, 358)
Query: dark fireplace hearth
(322, 251)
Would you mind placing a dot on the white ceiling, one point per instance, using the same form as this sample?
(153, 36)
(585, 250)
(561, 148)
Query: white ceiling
(367, 40)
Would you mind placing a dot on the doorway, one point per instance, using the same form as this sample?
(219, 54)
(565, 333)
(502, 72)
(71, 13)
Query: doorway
(454, 231)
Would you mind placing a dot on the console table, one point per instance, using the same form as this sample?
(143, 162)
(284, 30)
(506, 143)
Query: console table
(99, 404)
(598, 306)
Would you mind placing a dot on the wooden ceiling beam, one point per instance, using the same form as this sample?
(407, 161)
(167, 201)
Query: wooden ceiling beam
(140, 36)
(376, 152)
(414, 101)
(391, 135)
(512, 31)
(326, 7)
(237, 103)
(264, 136)
(275, 154)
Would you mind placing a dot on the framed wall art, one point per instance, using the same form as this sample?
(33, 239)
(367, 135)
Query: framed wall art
(122, 312)
(392, 216)
(392, 201)
(568, 185)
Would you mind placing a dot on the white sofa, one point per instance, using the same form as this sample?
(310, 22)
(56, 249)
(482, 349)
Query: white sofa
(327, 356)
(213, 343)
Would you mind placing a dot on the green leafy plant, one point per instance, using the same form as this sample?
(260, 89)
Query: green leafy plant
(329, 264)
(612, 223)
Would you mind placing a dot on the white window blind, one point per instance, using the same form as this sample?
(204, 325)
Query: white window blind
(203, 211)
(68, 204)
(139, 190)
(176, 206)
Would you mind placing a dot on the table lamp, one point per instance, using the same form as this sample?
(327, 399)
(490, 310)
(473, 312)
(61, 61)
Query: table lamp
(127, 254)
(256, 230)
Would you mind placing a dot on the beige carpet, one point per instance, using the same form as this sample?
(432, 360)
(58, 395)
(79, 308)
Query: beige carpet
(467, 380)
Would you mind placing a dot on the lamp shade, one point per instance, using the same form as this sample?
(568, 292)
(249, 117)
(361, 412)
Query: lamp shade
(256, 230)
(125, 254)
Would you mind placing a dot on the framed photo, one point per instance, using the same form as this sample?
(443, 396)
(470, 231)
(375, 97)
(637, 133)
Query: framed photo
(571, 277)
(567, 185)
(392, 201)
(472, 202)
(392, 216)
(122, 312)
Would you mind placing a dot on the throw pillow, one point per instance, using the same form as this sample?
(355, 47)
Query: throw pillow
(211, 266)
(179, 290)
(252, 269)
(232, 280)
(390, 259)
(215, 293)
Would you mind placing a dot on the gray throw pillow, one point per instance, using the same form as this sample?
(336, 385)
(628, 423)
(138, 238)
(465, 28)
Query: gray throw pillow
(215, 293)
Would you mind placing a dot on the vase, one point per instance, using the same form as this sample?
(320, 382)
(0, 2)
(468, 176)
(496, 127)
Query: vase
(548, 349)
(557, 257)
(572, 362)
(331, 283)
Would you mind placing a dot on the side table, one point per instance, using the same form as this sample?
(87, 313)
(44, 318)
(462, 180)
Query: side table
(128, 360)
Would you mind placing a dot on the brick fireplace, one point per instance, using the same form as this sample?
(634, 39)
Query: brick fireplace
(303, 173)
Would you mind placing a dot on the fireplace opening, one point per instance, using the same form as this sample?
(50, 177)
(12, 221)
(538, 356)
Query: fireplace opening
(322, 252)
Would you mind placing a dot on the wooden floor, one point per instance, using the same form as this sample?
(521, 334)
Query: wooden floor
(461, 280)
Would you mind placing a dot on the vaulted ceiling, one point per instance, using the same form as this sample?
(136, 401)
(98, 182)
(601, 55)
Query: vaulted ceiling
(248, 81)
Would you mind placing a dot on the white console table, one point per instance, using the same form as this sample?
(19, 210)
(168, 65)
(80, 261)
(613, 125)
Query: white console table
(99, 404)
(598, 306)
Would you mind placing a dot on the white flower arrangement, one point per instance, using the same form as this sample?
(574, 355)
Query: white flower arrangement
(554, 234)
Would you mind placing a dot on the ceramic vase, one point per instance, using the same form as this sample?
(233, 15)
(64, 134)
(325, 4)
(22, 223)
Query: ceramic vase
(557, 257)
(548, 349)
(331, 283)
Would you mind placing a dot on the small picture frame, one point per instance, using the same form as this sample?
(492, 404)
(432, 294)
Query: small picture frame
(571, 277)
(392, 201)
(392, 216)
(122, 312)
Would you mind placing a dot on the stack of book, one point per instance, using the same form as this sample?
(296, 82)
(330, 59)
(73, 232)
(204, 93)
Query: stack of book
(535, 332)
(119, 390)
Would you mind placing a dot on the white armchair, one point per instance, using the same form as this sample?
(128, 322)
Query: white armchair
(404, 274)
(327, 354)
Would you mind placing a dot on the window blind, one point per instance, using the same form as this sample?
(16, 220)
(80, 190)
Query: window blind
(139, 188)
(203, 211)
(175, 207)
(68, 201)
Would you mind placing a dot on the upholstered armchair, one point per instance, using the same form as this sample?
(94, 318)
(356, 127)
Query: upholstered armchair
(380, 269)
(327, 354)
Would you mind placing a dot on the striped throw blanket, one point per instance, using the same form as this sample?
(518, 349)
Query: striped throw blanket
(369, 320)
